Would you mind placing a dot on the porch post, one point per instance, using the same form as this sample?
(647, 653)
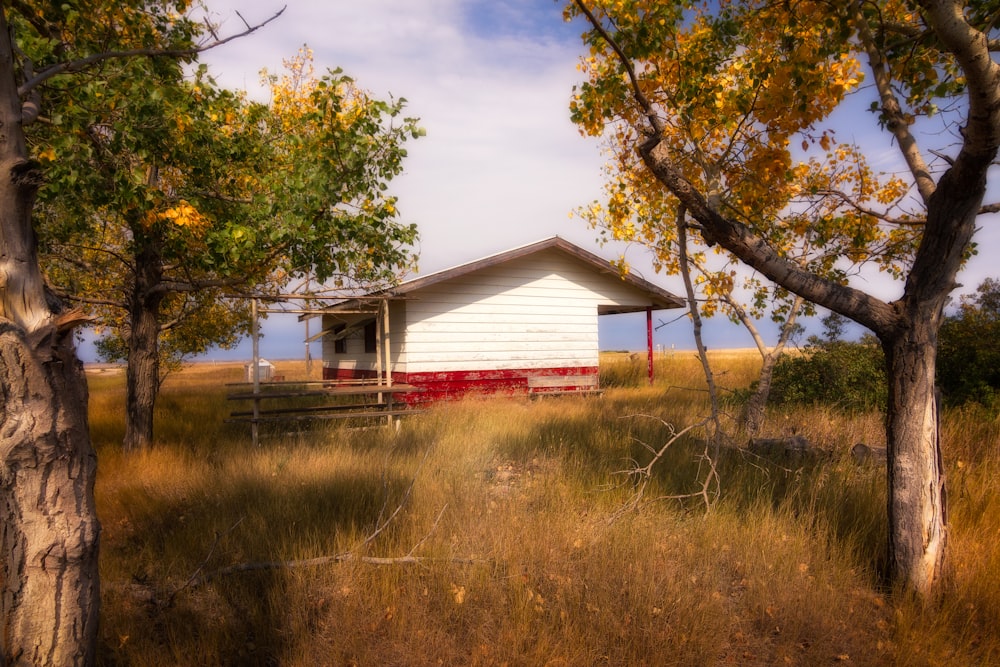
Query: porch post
(308, 356)
(649, 341)
(255, 335)
(379, 333)
(383, 312)
(388, 348)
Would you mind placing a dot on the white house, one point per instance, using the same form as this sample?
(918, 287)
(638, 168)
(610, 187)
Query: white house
(522, 320)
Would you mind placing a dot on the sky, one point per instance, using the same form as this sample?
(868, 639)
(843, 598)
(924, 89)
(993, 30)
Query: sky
(501, 164)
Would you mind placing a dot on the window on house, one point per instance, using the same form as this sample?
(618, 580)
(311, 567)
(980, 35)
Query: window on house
(339, 344)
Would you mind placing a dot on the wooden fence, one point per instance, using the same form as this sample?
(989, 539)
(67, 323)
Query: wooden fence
(314, 400)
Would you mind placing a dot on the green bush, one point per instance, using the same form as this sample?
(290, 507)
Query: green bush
(968, 365)
(849, 375)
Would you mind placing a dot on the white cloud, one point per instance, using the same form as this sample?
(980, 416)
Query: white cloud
(491, 80)
(501, 164)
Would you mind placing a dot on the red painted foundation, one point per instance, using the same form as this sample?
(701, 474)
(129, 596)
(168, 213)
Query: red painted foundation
(449, 385)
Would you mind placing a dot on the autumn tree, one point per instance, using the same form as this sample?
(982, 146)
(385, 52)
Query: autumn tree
(50, 593)
(164, 205)
(717, 142)
(655, 65)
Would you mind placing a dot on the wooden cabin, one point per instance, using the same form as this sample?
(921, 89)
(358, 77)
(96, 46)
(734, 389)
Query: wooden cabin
(522, 321)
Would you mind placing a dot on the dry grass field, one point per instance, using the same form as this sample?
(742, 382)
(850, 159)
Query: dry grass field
(489, 532)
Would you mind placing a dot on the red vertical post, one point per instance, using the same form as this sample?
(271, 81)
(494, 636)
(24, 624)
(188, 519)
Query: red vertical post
(649, 342)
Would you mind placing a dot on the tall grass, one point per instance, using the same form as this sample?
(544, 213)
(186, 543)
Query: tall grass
(508, 503)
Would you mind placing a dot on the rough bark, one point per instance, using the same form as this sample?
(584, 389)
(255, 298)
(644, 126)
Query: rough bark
(141, 382)
(916, 485)
(50, 592)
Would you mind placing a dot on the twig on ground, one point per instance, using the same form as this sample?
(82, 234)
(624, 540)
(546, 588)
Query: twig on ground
(642, 475)
(347, 556)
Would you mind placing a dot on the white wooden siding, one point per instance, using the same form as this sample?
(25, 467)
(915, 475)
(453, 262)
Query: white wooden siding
(538, 311)
(534, 312)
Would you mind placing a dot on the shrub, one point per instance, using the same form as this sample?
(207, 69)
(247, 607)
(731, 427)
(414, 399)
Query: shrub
(848, 375)
(968, 368)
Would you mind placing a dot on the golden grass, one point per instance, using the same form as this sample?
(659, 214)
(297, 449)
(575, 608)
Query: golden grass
(509, 508)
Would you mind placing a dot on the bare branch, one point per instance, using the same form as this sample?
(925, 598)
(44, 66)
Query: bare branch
(86, 63)
(899, 222)
(738, 238)
(168, 286)
(345, 557)
(644, 473)
(895, 120)
(982, 131)
(90, 301)
(194, 576)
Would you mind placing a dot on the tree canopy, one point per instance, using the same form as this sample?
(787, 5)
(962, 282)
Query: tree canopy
(168, 198)
(223, 194)
(745, 122)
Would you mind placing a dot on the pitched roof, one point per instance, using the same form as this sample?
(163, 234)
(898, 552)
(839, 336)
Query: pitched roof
(660, 298)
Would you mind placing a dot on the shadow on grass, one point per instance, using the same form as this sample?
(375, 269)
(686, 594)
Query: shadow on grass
(165, 539)
(827, 493)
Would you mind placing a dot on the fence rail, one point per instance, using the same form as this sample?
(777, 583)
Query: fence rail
(308, 400)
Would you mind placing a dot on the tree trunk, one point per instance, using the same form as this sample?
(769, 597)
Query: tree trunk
(713, 394)
(142, 372)
(917, 498)
(755, 411)
(50, 592)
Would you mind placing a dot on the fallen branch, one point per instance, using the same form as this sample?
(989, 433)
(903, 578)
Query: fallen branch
(642, 475)
(193, 579)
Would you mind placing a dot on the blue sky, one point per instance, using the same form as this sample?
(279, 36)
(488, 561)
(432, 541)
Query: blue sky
(501, 165)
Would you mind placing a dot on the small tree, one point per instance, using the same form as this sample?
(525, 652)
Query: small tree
(730, 139)
(163, 203)
(654, 64)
